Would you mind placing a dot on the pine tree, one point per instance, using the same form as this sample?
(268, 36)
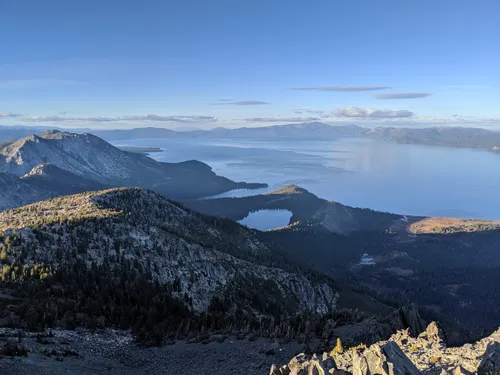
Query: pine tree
(3, 254)
(339, 348)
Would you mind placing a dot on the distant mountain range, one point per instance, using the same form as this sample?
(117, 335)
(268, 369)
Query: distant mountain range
(306, 130)
(439, 136)
(57, 163)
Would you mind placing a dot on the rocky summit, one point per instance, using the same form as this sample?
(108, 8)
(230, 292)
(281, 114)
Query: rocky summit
(402, 354)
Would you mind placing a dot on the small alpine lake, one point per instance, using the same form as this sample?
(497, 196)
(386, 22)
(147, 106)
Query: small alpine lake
(266, 219)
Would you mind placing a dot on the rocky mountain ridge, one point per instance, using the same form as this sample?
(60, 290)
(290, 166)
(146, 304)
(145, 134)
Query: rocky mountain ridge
(42, 182)
(71, 163)
(15, 191)
(60, 181)
(82, 154)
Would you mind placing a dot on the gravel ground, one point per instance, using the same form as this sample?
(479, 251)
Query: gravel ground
(113, 352)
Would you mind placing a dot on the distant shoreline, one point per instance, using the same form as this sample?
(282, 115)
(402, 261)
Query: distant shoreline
(139, 149)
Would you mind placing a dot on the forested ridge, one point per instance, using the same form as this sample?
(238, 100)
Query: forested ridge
(129, 258)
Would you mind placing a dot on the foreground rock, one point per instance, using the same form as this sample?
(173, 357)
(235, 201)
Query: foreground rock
(386, 359)
(403, 354)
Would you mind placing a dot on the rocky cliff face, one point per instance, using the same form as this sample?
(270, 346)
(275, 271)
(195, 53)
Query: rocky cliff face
(42, 182)
(17, 192)
(59, 181)
(403, 353)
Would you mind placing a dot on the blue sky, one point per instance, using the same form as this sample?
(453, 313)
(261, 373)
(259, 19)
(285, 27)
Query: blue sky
(111, 64)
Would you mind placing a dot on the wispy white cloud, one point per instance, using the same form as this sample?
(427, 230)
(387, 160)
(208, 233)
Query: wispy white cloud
(357, 112)
(302, 111)
(402, 95)
(341, 88)
(37, 83)
(282, 119)
(9, 115)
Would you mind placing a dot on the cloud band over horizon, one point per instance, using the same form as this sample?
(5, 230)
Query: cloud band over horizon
(9, 115)
(282, 119)
(356, 112)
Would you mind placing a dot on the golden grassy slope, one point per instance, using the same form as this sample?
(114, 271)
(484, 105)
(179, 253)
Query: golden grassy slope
(442, 225)
(63, 209)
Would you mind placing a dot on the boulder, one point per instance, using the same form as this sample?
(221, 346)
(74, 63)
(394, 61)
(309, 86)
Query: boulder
(315, 368)
(368, 331)
(387, 359)
(327, 361)
(432, 336)
(302, 364)
(278, 371)
(490, 363)
(461, 371)
(410, 318)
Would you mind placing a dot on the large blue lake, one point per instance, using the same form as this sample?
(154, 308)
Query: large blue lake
(385, 176)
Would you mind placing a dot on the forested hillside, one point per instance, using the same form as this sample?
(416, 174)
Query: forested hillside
(131, 258)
